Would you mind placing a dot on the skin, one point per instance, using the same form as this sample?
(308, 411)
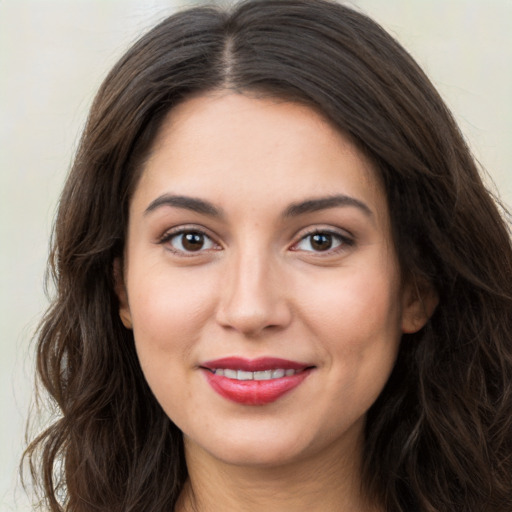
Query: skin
(257, 287)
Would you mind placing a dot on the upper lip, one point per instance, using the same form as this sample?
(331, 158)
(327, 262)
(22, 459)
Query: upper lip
(254, 365)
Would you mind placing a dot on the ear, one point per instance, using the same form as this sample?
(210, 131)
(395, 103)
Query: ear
(420, 300)
(120, 289)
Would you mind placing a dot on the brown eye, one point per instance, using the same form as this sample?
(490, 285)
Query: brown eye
(193, 241)
(321, 241)
(189, 242)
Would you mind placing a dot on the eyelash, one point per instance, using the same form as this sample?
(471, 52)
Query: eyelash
(170, 235)
(344, 241)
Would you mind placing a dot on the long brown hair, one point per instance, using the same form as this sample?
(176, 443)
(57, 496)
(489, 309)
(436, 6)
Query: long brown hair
(439, 438)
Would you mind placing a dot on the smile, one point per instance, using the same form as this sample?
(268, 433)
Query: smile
(254, 382)
(259, 375)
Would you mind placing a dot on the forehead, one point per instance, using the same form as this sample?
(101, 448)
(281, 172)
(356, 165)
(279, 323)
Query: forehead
(234, 148)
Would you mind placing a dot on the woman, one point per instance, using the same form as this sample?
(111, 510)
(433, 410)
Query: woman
(280, 281)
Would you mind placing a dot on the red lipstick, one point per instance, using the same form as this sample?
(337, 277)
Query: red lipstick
(254, 381)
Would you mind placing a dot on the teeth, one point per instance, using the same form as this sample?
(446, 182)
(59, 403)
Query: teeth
(259, 375)
(241, 375)
(264, 375)
(231, 374)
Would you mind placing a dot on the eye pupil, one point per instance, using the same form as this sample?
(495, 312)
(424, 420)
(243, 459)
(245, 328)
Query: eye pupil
(193, 241)
(321, 241)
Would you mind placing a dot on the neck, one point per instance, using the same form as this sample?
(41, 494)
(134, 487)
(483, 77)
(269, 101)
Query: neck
(329, 481)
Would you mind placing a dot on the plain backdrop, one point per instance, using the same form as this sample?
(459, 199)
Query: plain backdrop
(53, 56)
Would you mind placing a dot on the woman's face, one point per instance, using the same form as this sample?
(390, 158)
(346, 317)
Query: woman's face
(261, 281)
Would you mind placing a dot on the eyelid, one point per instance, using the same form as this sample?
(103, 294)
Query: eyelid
(347, 239)
(169, 234)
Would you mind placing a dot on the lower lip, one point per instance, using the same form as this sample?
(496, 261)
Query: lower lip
(255, 392)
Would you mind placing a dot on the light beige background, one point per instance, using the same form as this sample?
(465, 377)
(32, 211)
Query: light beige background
(53, 56)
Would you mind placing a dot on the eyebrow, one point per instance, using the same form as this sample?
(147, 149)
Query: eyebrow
(294, 210)
(188, 203)
(323, 203)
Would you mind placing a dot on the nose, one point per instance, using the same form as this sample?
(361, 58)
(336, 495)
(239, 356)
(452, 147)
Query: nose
(253, 296)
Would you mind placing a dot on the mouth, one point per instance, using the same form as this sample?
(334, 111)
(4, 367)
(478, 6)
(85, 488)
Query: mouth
(231, 373)
(256, 381)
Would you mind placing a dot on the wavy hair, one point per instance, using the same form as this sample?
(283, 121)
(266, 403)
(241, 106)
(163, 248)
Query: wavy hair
(439, 437)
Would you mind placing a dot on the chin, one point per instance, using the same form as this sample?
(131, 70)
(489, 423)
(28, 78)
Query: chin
(257, 447)
(252, 455)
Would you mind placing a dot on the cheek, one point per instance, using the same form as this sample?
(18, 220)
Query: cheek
(356, 322)
(356, 305)
(168, 309)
